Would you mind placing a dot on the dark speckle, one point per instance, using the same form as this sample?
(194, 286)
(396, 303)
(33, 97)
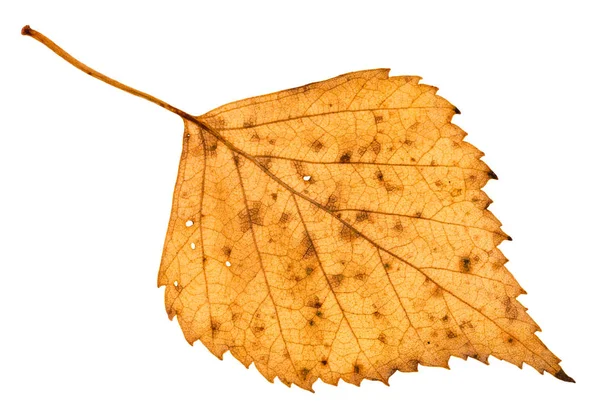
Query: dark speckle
(324, 362)
(445, 318)
(379, 175)
(362, 216)
(346, 157)
(347, 233)
(309, 247)
(311, 323)
(304, 372)
(398, 227)
(211, 149)
(316, 146)
(331, 202)
(274, 196)
(214, 326)
(450, 334)
(357, 369)
(510, 340)
(309, 270)
(465, 265)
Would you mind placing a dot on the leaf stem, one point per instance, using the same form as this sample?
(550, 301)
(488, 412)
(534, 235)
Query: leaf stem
(28, 31)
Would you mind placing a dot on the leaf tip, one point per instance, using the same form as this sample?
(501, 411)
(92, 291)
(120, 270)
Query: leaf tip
(561, 375)
(492, 175)
(456, 110)
(26, 31)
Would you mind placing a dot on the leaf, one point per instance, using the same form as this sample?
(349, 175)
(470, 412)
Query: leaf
(339, 231)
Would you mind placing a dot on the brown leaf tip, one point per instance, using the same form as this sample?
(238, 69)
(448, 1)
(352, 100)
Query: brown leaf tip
(456, 110)
(26, 31)
(492, 175)
(563, 376)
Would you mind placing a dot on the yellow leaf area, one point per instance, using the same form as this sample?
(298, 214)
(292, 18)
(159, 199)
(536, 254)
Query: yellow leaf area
(339, 231)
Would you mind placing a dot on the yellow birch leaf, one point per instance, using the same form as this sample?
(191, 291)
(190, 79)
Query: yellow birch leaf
(339, 231)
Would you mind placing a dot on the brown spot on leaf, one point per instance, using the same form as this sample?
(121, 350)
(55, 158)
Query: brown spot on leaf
(214, 325)
(258, 330)
(398, 227)
(315, 303)
(332, 202)
(360, 276)
(309, 248)
(465, 265)
(336, 279)
(266, 162)
(375, 147)
(362, 216)
(257, 213)
(456, 192)
(316, 146)
(345, 158)
(510, 309)
(347, 233)
(211, 147)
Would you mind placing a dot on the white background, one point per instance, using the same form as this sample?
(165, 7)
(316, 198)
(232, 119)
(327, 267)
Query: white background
(87, 174)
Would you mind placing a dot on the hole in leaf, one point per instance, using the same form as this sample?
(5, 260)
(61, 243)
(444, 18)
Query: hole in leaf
(228, 263)
(176, 284)
(306, 178)
(189, 223)
(193, 245)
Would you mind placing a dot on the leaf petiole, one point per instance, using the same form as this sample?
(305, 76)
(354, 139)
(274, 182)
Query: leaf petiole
(28, 31)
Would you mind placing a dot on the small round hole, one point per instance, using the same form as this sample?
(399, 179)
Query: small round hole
(228, 263)
(193, 245)
(189, 223)
(176, 284)
(306, 178)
